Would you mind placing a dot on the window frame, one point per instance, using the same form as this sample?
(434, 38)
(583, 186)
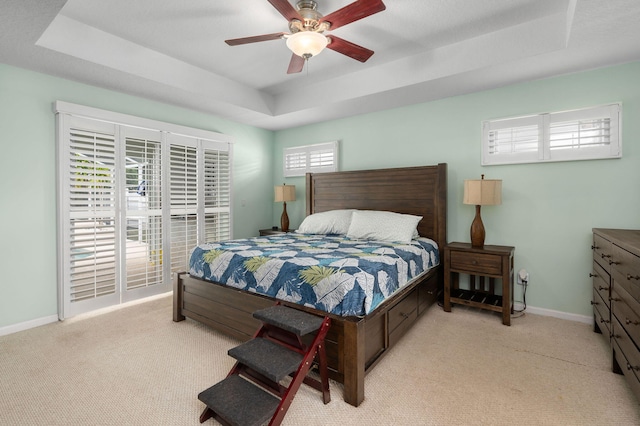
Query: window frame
(544, 152)
(305, 154)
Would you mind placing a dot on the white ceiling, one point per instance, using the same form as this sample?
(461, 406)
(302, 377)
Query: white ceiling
(174, 51)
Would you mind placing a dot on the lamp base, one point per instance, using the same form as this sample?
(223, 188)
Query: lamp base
(477, 230)
(284, 219)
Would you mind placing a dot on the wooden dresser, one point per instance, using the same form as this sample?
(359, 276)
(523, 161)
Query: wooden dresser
(616, 298)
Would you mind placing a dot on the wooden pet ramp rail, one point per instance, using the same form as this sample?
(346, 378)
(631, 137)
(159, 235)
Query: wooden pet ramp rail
(253, 393)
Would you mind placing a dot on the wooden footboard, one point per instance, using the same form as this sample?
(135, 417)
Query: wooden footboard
(354, 345)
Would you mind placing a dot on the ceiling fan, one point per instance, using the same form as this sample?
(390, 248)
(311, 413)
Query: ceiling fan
(307, 25)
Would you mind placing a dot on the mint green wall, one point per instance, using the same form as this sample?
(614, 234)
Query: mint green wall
(28, 174)
(548, 210)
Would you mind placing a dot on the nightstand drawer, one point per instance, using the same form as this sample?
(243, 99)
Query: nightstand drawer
(476, 263)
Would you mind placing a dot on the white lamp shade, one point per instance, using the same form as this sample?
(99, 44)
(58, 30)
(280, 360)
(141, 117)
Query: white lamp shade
(285, 193)
(307, 43)
(483, 192)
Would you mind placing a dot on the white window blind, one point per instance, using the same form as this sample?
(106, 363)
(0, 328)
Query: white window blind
(133, 201)
(318, 158)
(589, 133)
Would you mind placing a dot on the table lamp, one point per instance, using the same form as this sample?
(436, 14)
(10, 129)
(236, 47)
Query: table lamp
(481, 192)
(285, 193)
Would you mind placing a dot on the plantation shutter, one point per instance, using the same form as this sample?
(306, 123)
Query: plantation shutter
(134, 197)
(142, 223)
(583, 134)
(318, 158)
(87, 232)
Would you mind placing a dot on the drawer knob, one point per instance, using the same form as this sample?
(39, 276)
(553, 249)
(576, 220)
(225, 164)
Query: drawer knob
(605, 255)
(613, 262)
(631, 367)
(603, 288)
(604, 320)
(631, 277)
(594, 247)
(613, 299)
(594, 303)
(628, 321)
(592, 275)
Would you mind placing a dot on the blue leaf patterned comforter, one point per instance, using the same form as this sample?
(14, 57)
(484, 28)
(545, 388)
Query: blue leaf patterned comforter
(331, 273)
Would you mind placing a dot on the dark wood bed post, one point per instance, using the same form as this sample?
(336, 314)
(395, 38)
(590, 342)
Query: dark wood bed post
(354, 361)
(177, 298)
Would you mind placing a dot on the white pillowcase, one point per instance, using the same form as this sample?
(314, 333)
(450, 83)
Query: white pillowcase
(383, 226)
(330, 222)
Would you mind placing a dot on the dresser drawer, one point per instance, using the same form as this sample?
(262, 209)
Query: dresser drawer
(601, 251)
(627, 312)
(476, 263)
(601, 282)
(601, 315)
(631, 361)
(626, 368)
(626, 271)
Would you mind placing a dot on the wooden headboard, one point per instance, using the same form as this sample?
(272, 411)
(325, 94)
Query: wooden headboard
(420, 191)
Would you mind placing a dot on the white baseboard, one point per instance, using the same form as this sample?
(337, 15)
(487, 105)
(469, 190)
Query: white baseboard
(14, 328)
(587, 319)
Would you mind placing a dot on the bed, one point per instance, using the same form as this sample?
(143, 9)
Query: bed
(355, 343)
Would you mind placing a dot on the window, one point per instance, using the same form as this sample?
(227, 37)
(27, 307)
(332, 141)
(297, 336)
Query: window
(583, 134)
(319, 158)
(135, 196)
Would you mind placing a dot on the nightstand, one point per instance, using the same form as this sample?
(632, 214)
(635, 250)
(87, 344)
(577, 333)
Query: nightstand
(479, 263)
(269, 231)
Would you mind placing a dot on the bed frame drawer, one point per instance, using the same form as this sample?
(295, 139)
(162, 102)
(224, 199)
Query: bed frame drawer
(402, 316)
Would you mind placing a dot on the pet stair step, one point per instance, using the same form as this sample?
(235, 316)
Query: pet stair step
(240, 402)
(292, 320)
(270, 359)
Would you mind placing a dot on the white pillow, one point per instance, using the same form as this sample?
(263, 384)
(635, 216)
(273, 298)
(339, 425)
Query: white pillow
(383, 226)
(330, 222)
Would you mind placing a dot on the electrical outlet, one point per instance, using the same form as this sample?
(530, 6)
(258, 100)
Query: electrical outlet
(523, 277)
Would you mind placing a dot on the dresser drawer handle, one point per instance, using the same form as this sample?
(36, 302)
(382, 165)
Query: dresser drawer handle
(613, 299)
(615, 336)
(593, 247)
(603, 288)
(613, 262)
(628, 321)
(605, 255)
(592, 275)
(631, 277)
(631, 367)
(604, 320)
(403, 315)
(594, 303)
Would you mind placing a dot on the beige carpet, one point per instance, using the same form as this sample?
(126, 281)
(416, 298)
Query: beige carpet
(134, 366)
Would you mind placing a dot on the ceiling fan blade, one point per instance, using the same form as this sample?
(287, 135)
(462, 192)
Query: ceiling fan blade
(352, 12)
(296, 64)
(285, 9)
(350, 49)
(254, 39)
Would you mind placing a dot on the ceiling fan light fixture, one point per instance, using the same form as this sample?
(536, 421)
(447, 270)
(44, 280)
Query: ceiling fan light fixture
(307, 43)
